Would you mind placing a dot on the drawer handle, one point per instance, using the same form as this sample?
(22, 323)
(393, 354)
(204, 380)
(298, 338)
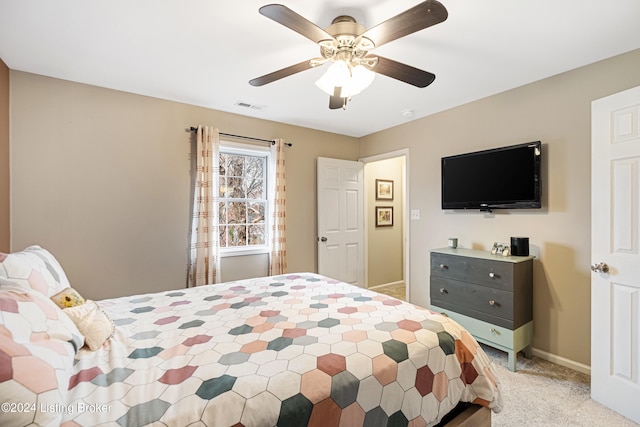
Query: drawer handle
(494, 331)
(493, 275)
(443, 267)
(492, 302)
(443, 291)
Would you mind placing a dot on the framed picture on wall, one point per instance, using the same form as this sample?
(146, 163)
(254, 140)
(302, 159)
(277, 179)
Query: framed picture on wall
(384, 216)
(384, 189)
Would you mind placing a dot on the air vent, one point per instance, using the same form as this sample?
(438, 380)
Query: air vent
(251, 106)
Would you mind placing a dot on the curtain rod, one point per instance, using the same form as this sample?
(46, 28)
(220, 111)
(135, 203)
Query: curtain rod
(271, 141)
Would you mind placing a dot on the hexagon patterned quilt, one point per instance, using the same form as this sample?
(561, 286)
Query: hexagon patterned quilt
(292, 350)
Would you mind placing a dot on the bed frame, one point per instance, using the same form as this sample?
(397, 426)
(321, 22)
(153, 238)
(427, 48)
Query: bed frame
(467, 416)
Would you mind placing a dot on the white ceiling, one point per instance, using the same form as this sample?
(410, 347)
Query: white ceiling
(204, 52)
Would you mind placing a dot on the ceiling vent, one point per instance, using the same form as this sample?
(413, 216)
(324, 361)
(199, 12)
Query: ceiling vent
(251, 106)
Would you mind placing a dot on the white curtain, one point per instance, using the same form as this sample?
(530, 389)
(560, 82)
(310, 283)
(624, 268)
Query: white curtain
(278, 258)
(204, 257)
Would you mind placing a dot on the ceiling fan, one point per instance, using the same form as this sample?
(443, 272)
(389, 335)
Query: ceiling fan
(346, 44)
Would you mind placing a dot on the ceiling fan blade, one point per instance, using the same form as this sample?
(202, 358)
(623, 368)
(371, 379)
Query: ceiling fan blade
(404, 73)
(277, 75)
(417, 18)
(335, 101)
(297, 23)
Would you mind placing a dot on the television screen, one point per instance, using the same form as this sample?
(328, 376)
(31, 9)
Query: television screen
(500, 178)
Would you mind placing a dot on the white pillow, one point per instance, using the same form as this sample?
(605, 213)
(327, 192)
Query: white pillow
(33, 268)
(92, 322)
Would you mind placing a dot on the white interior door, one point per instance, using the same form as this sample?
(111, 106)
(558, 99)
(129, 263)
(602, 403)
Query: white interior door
(340, 220)
(615, 235)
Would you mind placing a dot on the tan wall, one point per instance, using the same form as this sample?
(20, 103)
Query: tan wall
(102, 179)
(385, 244)
(556, 111)
(4, 159)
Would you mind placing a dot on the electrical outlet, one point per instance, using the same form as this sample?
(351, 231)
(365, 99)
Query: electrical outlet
(415, 214)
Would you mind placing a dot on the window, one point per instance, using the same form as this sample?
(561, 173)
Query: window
(243, 202)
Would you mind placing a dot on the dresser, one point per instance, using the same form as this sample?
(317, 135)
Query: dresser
(490, 295)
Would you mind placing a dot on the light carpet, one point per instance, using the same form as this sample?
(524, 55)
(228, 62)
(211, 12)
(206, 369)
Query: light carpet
(541, 393)
(396, 291)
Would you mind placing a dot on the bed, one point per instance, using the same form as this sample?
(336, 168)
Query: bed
(291, 350)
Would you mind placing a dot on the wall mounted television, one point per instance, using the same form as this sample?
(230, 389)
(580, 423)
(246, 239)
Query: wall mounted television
(499, 178)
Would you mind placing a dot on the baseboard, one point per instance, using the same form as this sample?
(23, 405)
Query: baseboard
(373, 288)
(562, 361)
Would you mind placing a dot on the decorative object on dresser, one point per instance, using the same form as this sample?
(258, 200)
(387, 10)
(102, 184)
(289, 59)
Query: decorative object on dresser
(490, 295)
(500, 249)
(520, 246)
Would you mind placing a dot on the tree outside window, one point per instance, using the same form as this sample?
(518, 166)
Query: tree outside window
(243, 200)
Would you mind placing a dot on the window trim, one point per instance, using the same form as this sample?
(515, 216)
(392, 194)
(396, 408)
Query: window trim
(256, 151)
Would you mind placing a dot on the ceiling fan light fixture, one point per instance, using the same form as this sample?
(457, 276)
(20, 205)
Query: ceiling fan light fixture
(337, 75)
(361, 78)
(352, 80)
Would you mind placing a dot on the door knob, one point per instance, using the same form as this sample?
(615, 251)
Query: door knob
(600, 267)
(323, 239)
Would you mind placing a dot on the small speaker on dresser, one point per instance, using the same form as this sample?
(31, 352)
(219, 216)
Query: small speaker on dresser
(520, 246)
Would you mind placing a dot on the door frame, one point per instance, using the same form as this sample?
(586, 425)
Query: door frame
(406, 220)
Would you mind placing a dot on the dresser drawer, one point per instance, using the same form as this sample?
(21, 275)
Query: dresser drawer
(490, 304)
(482, 331)
(496, 274)
(490, 334)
